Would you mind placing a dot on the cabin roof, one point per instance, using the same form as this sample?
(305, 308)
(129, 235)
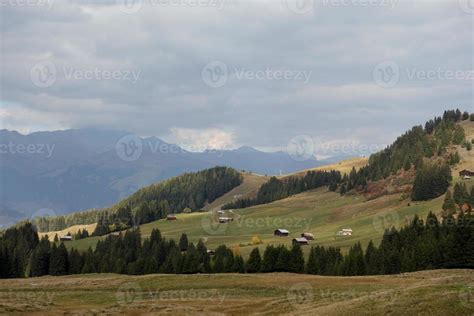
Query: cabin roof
(301, 239)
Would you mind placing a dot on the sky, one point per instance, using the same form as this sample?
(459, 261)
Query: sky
(344, 75)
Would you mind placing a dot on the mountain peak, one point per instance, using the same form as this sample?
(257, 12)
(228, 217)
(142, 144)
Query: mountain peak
(246, 149)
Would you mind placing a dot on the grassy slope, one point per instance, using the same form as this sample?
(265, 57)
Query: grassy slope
(320, 212)
(344, 166)
(72, 230)
(248, 188)
(467, 157)
(442, 292)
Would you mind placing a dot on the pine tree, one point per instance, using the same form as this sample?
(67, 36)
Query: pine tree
(312, 265)
(372, 259)
(254, 263)
(183, 242)
(239, 266)
(40, 259)
(89, 262)
(448, 205)
(59, 261)
(296, 262)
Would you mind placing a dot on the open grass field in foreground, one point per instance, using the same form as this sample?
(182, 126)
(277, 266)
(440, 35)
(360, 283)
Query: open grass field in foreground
(441, 292)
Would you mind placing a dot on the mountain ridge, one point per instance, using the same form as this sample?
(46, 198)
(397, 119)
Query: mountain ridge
(76, 169)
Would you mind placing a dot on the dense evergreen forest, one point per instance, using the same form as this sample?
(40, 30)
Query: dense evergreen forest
(424, 149)
(421, 245)
(188, 192)
(276, 189)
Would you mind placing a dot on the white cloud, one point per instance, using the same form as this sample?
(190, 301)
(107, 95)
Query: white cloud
(202, 139)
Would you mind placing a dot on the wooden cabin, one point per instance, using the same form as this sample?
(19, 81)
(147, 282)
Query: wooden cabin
(308, 236)
(65, 238)
(281, 232)
(300, 241)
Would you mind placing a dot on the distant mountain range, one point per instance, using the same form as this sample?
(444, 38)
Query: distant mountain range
(71, 170)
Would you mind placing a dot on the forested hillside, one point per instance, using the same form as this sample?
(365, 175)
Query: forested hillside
(186, 193)
(426, 150)
(418, 246)
(276, 189)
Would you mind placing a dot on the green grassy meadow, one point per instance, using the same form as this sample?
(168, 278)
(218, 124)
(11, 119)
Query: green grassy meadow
(320, 212)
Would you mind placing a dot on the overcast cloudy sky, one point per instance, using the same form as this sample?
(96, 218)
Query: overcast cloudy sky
(222, 73)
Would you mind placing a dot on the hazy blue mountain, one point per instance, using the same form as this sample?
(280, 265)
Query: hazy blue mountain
(71, 170)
